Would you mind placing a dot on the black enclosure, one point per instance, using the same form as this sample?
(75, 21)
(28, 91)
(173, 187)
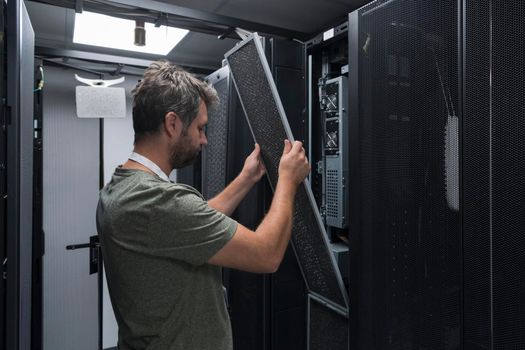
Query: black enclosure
(437, 138)
(405, 228)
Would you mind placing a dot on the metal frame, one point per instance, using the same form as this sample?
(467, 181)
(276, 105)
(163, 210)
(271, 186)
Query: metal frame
(319, 38)
(206, 21)
(19, 177)
(257, 40)
(309, 107)
(47, 53)
(212, 18)
(91, 56)
(462, 89)
(354, 183)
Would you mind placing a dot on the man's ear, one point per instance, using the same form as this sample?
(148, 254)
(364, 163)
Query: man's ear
(172, 124)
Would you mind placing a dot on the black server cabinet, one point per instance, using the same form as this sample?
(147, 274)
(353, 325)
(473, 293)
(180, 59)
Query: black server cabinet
(405, 223)
(437, 138)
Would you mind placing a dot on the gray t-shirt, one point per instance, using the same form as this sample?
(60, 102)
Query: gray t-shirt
(156, 238)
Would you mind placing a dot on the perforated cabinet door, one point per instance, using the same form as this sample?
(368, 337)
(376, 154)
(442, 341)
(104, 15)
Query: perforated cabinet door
(214, 154)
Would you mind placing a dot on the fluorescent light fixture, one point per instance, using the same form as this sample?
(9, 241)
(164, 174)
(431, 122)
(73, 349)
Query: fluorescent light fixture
(117, 33)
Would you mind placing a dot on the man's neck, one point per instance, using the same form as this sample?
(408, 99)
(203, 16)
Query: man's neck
(153, 153)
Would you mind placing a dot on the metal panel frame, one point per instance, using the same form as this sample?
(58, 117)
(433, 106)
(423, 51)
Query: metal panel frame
(20, 56)
(206, 21)
(257, 40)
(212, 18)
(354, 182)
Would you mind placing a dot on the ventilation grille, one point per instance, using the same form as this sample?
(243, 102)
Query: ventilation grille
(409, 234)
(327, 330)
(214, 154)
(333, 193)
(476, 178)
(508, 169)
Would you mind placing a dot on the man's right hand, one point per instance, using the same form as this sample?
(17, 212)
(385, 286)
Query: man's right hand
(263, 251)
(294, 166)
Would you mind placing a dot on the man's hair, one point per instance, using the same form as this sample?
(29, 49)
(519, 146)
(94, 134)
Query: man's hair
(168, 88)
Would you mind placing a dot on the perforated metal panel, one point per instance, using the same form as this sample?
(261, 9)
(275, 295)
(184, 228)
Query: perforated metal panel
(70, 195)
(332, 193)
(508, 173)
(326, 328)
(214, 154)
(269, 127)
(476, 178)
(406, 230)
(494, 185)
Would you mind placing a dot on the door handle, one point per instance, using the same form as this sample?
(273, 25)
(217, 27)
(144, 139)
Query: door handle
(95, 256)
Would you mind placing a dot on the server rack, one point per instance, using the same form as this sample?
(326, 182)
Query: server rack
(436, 139)
(405, 264)
(328, 147)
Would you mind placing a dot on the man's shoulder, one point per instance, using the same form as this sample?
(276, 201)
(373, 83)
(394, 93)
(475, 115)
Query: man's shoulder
(184, 188)
(129, 181)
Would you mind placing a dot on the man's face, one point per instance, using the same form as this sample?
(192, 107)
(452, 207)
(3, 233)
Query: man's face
(191, 140)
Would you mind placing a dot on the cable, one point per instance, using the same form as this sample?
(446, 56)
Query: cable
(40, 84)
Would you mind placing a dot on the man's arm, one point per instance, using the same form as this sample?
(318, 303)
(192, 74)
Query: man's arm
(228, 200)
(263, 250)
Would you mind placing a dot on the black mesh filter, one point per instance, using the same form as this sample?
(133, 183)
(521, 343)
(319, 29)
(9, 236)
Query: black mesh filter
(326, 328)
(214, 154)
(508, 173)
(407, 232)
(270, 128)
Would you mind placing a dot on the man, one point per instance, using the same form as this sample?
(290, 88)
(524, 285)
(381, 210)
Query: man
(163, 245)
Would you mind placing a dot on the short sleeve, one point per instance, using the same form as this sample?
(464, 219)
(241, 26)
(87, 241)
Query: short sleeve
(183, 226)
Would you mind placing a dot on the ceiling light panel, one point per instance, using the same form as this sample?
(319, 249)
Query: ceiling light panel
(117, 33)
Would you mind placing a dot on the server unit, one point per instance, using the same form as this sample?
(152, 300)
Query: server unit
(334, 108)
(328, 147)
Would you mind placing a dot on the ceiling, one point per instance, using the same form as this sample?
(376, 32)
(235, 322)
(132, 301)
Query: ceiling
(53, 23)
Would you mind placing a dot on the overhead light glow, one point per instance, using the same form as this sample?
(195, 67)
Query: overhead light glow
(117, 33)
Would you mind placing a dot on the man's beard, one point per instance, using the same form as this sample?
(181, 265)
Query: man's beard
(183, 154)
